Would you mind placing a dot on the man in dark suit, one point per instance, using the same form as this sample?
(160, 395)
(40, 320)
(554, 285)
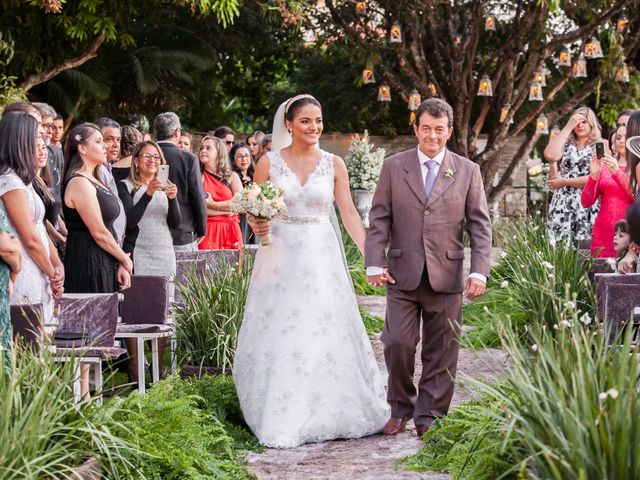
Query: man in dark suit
(424, 199)
(184, 172)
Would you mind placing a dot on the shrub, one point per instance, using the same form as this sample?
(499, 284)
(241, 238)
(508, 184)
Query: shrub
(209, 318)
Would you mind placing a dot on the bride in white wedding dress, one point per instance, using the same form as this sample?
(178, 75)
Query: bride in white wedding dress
(304, 368)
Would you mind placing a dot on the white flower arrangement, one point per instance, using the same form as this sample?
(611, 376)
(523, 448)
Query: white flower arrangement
(260, 202)
(363, 163)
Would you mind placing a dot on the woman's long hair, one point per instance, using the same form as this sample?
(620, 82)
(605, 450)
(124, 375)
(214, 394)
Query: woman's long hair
(19, 145)
(633, 129)
(592, 120)
(223, 167)
(72, 159)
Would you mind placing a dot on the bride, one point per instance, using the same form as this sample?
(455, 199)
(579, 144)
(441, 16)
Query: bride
(304, 368)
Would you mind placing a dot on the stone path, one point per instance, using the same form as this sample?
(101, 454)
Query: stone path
(370, 458)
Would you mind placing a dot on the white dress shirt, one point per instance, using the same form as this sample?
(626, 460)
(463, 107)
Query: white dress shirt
(373, 270)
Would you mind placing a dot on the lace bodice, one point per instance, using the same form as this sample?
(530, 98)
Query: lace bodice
(315, 197)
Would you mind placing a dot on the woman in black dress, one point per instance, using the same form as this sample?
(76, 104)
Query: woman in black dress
(242, 164)
(94, 261)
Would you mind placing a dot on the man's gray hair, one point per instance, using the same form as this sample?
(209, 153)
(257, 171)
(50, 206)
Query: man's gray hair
(45, 109)
(165, 125)
(105, 122)
(437, 108)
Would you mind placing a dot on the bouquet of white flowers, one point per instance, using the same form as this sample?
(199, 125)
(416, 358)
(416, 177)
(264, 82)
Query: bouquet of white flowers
(260, 202)
(363, 163)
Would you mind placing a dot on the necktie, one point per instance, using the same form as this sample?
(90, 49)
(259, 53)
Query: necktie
(430, 178)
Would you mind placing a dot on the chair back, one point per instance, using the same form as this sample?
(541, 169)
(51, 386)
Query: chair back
(601, 265)
(95, 316)
(616, 298)
(146, 301)
(27, 324)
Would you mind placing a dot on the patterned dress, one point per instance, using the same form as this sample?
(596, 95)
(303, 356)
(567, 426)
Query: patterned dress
(568, 221)
(5, 311)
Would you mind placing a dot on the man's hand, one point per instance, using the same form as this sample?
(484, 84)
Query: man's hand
(381, 279)
(474, 288)
(260, 227)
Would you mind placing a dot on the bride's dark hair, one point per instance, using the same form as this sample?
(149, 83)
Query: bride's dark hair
(296, 105)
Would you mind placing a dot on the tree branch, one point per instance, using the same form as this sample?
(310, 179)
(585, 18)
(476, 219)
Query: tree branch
(91, 52)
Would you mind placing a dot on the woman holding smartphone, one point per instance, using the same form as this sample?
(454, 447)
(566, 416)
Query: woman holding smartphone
(608, 182)
(569, 155)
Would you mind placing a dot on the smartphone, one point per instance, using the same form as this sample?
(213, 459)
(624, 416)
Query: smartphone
(599, 149)
(163, 175)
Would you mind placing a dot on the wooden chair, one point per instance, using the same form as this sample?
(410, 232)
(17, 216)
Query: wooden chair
(27, 325)
(144, 314)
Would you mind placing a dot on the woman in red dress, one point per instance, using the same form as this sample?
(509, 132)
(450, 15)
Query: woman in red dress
(220, 183)
(609, 182)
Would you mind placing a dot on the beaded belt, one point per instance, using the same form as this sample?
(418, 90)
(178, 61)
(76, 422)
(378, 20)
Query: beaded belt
(303, 219)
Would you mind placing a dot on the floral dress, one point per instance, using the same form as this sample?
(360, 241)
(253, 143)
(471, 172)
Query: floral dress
(567, 220)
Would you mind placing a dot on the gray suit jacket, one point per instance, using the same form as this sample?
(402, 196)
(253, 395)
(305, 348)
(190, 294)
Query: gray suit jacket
(423, 234)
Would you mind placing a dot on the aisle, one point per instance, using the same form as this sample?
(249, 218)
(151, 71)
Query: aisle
(370, 458)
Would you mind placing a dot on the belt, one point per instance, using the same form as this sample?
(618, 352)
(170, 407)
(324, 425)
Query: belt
(303, 219)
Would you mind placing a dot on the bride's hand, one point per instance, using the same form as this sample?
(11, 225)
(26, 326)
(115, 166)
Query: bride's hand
(261, 227)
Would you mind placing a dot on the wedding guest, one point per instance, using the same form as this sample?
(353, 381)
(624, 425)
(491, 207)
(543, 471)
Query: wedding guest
(621, 239)
(266, 144)
(55, 160)
(609, 184)
(52, 203)
(185, 142)
(94, 260)
(58, 131)
(151, 212)
(226, 134)
(254, 142)
(185, 174)
(112, 135)
(130, 138)
(569, 156)
(10, 263)
(25, 107)
(220, 183)
(629, 263)
(623, 117)
(41, 278)
(242, 164)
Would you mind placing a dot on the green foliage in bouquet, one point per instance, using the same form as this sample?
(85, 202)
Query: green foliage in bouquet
(181, 429)
(44, 434)
(363, 163)
(209, 318)
(529, 275)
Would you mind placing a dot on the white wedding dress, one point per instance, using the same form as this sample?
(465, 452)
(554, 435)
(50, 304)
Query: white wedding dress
(304, 368)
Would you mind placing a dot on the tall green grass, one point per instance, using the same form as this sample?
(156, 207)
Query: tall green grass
(43, 434)
(355, 262)
(209, 318)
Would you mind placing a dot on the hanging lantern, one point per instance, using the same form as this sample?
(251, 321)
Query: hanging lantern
(432, 88)
(564, 59)
(457, 39)
(622, 73)
(485, 89)
(395, 34)
(622, 23)
(554, 132)
(368, 76)
(361, 9)
(490, 23)
(542, 125)
(540, 76)
(535, 92)
(414, 100)
(593, 49)
(504, 111)
(580, 67)
(384, 93)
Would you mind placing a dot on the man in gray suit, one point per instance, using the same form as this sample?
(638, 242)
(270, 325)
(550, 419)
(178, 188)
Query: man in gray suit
(424, 199)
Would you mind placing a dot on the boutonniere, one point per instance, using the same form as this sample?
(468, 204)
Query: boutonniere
(448, 173)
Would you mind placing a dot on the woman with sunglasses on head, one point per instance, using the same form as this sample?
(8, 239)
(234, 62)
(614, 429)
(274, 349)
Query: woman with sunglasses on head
(220, 184)
(152, 210)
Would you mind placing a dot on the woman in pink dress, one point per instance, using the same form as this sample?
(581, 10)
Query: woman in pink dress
(609, 182)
